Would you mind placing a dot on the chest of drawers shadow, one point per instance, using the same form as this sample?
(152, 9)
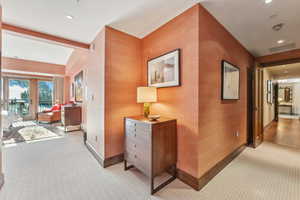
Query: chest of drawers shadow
(151, 147)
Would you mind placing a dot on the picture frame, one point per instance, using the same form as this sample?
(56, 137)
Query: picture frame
(79, 87)
(73, 90)
(164, 71)
(230, 81)
(269, 91)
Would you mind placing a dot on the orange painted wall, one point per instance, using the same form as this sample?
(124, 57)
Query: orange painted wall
(76, 63)
(206, 125)
(32, 66)
(123, 74)
(112, 72)
(179, 102)
(219, 120)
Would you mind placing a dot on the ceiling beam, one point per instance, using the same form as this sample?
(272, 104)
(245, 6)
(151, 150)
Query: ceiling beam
(44, 36)
(286, 57)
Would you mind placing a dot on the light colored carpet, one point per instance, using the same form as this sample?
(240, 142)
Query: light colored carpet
(63, 169)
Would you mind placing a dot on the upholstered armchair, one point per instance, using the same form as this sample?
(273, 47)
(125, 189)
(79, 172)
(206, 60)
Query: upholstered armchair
(49, 117)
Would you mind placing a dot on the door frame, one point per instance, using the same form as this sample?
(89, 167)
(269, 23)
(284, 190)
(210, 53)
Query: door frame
(255, 99)
(255, 106)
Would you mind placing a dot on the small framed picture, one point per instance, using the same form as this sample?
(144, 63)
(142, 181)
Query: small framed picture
(269, 91)
(230, 81)
(164, 71)
(73, 90)
(79, 87)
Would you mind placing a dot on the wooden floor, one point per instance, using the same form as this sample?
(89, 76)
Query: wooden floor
(284, 132)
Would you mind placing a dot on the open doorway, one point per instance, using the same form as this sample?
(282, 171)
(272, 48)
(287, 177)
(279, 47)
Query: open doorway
(33, 92)
(282, 105)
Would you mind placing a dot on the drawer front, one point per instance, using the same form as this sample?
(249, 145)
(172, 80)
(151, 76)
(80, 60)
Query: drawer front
(138, 145)
(141, 160)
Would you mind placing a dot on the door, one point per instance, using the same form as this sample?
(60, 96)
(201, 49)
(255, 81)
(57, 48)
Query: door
(276, 90)
(19, 101)
(257, 99)
(45, 95)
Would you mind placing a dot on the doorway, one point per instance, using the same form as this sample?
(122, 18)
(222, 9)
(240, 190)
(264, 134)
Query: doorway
(281, 106)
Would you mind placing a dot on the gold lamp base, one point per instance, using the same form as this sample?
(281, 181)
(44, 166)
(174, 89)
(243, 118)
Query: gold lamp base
(146, 109)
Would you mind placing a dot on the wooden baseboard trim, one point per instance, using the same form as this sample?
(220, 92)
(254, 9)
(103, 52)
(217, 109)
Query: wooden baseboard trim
(113, 160)
(94, 153)
(269, 124)
(199, 183)
(1, 180)
(188, 179)
(107, 161)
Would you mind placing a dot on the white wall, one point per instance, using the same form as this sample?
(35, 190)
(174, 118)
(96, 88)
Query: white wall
(296, 98)
(269, 109)
(95, 95)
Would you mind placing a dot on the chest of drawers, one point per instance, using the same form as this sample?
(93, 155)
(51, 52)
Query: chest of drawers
(70, 116)
(151, 147)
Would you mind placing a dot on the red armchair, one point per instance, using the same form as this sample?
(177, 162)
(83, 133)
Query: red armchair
(50, 116)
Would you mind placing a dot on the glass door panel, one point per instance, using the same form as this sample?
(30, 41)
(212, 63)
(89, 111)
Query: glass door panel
(45, 89)
(19, 97)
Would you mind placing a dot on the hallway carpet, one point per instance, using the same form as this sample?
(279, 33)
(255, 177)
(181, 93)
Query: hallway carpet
(63, 169)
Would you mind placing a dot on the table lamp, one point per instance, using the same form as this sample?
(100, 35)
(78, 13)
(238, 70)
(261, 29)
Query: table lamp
(146, 95)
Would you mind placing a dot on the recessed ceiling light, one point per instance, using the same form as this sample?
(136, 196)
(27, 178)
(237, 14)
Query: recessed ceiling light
(268, 1)
(69, 17)
(280, 41)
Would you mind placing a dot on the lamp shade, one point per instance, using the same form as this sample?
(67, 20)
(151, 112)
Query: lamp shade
(146, 94)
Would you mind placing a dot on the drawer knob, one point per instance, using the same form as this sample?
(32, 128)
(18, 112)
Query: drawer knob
(135, 135)
(135, 156)
(134, 145)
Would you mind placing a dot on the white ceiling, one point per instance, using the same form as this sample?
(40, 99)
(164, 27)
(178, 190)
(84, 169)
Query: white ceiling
(249, 21)
(15, 46)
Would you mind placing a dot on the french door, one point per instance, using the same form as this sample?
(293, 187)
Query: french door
(18, 98)
(45, 95)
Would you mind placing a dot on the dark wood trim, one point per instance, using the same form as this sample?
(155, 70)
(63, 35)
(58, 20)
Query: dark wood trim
(113, 160)
(198, 184)
(107, 161)
(279, 58)
(250, 105)
(1, 180)
(282, 62)
(188, 179)
(269, 124)
(45, 36)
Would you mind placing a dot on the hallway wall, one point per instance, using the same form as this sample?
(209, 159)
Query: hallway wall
(269, 109)
(179, 102)
(296, 98)
(222, 124)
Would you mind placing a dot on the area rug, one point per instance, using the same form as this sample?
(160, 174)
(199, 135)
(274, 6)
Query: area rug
(30, 133)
